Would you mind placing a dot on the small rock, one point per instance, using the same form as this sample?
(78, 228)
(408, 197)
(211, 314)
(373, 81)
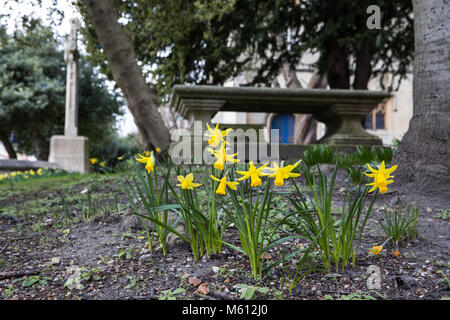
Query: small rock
(49, 222)
(132, 221)
(55, 260)
(145, 257)
(194, 281)
(215, 269)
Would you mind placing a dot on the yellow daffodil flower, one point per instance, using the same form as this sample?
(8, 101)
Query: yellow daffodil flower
(158, 150)
(93, 160)
(149, 161)
(32, 172)
(13, 174)
(120, 158)
(281, 173)
(376, 249)
(380, 177)
(221, 189)
(147, 153)
(40, 171)
(216, 135)
(222, 157)
(254, 174)
(187, 182)
(102, 164)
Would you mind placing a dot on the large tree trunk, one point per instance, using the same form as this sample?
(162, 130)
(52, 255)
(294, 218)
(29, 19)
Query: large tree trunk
(306, 125)
(337, 65)
(8, 146)
(141, 99)
(41, 146)
(305, 131)
(424, 153)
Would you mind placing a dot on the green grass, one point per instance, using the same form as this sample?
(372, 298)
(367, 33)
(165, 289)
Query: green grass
(58, 196)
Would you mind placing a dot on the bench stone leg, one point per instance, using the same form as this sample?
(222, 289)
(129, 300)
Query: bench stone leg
(201, 109)
(344, 125)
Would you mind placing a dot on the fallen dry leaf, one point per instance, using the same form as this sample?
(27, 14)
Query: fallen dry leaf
(194, 281)
(266, 256)
(203, 289)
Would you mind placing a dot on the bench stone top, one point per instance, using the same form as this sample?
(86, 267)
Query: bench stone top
(21, 165)
(262, 99)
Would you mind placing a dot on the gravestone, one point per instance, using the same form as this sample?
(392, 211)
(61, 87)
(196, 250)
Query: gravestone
(71, 151)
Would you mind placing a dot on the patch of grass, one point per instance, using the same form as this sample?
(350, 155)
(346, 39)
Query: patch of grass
(400, 223)
(317, 154)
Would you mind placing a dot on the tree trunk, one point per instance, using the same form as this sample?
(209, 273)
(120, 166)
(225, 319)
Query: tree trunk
(363, 69)
(305, 131)
(337, 65)
(141, 99)
(41, 146)
(8, 146)
(424, 153)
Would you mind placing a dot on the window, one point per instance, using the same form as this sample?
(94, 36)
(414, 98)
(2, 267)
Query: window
(376, 119)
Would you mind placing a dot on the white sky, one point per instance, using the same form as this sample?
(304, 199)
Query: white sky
(125, 124)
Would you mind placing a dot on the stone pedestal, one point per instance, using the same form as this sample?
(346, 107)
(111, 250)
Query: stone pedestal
(344, 125)
(71, 153)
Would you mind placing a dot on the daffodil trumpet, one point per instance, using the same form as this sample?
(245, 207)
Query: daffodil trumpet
(222, 157)
(381, 177)
(216, 136)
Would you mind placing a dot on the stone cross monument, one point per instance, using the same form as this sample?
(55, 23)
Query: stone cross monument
(71, 58)
(71, 151)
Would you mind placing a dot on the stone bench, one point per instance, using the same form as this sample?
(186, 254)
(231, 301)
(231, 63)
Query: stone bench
(342, 111)
(23, 165)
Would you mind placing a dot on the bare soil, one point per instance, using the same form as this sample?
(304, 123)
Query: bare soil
(115, 262)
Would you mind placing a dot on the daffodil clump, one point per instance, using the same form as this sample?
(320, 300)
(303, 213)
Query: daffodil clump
(241, 195)
(146, 189)
(19, 175)
(207, 222)
(100, 165)
(335, 237)
(111, 164)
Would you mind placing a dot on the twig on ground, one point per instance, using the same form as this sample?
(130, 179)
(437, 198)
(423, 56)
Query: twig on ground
(17, 274)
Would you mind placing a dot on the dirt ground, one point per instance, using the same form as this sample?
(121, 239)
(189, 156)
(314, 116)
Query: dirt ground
(45, 254)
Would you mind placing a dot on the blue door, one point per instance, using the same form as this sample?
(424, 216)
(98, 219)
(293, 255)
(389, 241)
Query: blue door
(285, 123)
